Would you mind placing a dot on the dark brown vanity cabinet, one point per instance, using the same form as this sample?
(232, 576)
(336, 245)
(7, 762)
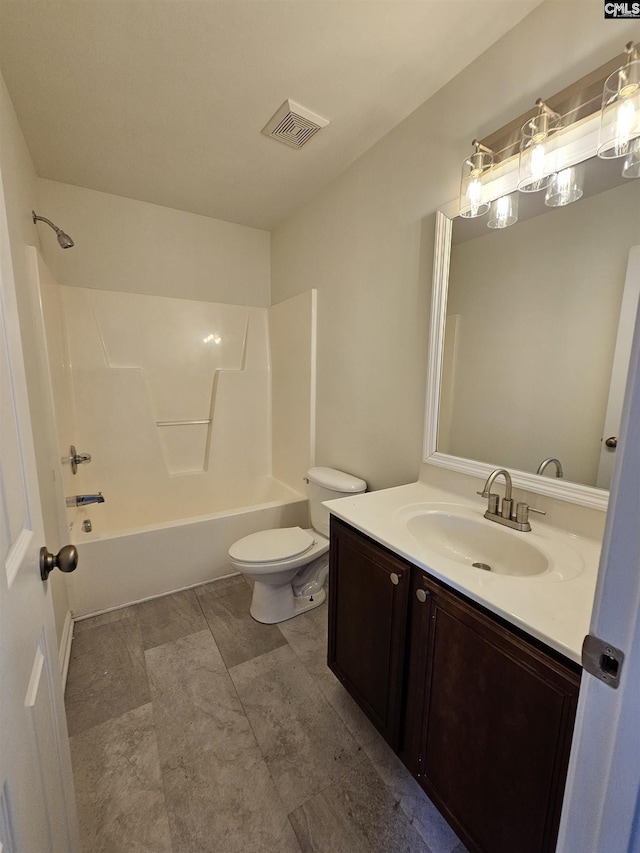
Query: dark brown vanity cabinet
(489, 719)
(369, 593)
(484, 714)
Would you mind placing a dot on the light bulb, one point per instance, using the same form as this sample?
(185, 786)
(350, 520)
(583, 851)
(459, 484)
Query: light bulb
(474, 195)
(504, 212)
(565, 187)
(537, 161)
(624, 124)
(475, 171)
(620, 117)
(538, 149)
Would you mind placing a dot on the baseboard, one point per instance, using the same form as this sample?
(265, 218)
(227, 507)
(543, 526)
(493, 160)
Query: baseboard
(65, 647)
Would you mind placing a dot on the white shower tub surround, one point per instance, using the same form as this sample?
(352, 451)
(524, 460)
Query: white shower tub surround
(172, 399)
(121, 563)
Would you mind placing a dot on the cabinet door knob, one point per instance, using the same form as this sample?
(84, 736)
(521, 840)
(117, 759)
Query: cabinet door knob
(421, 595)
(395, 579)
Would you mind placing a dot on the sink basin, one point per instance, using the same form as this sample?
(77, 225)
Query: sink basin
(481, 544)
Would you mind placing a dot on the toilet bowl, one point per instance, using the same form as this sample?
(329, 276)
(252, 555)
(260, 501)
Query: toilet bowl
(288, 566)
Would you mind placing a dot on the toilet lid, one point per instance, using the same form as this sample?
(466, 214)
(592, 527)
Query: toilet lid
(269, 546)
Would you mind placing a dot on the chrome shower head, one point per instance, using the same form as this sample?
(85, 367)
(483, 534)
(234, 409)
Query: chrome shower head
(63, 239)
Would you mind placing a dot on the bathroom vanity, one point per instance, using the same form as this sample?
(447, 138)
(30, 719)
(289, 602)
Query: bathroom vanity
(459, 636)
(474, 692)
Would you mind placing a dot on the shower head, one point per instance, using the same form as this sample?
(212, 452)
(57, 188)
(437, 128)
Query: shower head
(63, 239)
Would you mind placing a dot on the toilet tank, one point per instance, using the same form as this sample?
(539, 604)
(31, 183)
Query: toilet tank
(327, 484)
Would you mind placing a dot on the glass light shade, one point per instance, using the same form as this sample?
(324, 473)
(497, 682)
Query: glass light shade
(620, 120)
(565, 187)
(504, 211)
(473, 190)
(537, 151)
(631, 167)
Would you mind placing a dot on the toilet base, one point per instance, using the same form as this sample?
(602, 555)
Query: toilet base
(271, 604)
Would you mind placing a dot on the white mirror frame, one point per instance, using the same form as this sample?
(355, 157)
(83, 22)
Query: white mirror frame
(579, 142)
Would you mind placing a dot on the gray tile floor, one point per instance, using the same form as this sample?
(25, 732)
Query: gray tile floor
(194, 728)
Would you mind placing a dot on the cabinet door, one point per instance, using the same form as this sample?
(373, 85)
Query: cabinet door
(497, 716)
(368, 590)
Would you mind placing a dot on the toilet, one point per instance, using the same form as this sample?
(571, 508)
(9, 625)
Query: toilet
(289, 565)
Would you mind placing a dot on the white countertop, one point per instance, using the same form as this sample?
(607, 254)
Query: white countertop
(554, 606)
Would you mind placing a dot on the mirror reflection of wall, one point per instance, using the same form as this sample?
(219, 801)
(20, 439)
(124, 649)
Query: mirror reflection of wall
(533, 313)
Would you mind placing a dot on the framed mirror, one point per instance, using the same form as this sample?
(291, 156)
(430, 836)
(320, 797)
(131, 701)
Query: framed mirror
(531, 329)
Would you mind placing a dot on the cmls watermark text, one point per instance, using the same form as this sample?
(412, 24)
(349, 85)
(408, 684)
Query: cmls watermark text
(621, 10)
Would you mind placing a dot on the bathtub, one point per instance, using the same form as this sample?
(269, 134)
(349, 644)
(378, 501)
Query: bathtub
(123, 561)
(190, 412)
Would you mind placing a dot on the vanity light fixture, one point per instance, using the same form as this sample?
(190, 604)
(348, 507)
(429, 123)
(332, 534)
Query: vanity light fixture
(565, 187)
(504, 211)
(536, 149)
(537, 139)
(620, 118)
(475, 172)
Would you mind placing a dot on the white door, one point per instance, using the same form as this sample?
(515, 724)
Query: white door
(601, 812)
(37, 806)
(619, 371)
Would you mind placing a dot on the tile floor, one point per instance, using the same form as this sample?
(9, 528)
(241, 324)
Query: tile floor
(194, 728)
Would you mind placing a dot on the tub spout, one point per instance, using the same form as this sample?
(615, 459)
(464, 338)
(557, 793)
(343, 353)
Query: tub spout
(83, 500)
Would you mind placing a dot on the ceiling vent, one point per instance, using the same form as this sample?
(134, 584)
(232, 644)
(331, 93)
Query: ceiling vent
(294, 125)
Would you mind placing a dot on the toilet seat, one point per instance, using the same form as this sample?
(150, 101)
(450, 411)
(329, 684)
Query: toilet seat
(272, 546)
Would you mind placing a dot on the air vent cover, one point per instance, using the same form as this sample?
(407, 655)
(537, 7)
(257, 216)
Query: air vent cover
(294, 125)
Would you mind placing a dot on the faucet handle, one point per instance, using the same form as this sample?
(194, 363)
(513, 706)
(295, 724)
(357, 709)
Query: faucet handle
(75, 459)
(522, 512)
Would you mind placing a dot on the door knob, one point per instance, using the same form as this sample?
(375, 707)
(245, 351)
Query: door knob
(66, 560)
(612, 441)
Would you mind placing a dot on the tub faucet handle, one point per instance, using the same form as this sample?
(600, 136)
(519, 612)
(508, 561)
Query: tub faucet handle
(74, 459)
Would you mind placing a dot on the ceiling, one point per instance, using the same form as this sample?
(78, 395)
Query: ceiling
(164, 100)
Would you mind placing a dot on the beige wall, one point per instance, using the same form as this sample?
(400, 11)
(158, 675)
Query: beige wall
(127, 245)
(366, 241)
(20, 191)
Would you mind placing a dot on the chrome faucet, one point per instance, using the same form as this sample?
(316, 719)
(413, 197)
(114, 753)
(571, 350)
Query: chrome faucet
(549, 461)
(517, 519)
(83, 500)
